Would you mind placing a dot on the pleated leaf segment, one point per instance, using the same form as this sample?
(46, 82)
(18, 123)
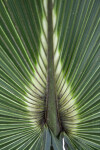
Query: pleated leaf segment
(49, 75)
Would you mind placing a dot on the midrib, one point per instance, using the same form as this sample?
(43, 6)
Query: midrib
(52, 118)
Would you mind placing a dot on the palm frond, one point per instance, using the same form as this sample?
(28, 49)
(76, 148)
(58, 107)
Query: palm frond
(24, 74)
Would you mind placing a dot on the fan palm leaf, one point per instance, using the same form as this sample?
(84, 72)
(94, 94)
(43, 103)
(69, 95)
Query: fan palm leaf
(49, 76)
